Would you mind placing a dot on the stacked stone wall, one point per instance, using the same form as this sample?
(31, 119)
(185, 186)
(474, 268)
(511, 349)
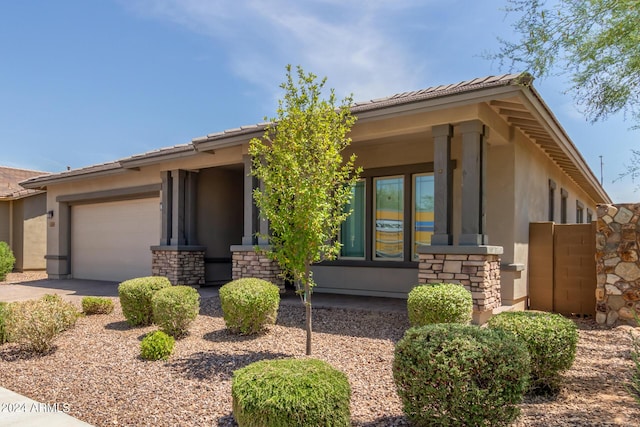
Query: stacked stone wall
(246, 262)
(618, 264)
(180, 267)
(479, 274)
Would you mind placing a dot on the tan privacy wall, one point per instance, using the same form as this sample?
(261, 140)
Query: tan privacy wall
(618, 263)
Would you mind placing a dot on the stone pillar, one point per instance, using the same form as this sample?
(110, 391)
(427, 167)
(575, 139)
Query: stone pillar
(473, 184)
(618, 264)
(182, 266)
(179, 257)
(477, 268)
(443, 185)
(249, 262)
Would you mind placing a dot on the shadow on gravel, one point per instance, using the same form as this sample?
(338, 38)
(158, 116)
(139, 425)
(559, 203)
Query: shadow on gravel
(227, 421)
(117, 326)
(224, 335)
(15, 353)
(211, 365)
(399, 420)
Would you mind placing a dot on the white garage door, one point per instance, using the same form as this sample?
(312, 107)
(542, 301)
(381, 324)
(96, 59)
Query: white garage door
(111, 241)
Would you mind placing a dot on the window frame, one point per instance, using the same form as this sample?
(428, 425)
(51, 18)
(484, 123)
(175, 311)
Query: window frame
(364, 228)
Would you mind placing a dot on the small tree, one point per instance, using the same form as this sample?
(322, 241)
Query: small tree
(306, 181)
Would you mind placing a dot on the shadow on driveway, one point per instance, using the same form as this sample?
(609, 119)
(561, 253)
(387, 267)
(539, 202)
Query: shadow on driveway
(72, 289)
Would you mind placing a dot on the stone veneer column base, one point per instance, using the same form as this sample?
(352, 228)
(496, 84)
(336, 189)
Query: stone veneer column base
(477, 268)
(247, 262)
(182, 265)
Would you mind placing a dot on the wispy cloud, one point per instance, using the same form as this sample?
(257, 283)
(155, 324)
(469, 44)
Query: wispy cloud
(346, 41)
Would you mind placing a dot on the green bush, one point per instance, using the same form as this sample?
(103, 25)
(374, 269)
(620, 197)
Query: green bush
(36, 323)
(439, 303)
(4, 336)
(156, 345)
(290, 392)
(460, 375)
(175, 309)
(97, 305)
(135, 298)
(551, 340)
(7, 260)
(249, 305)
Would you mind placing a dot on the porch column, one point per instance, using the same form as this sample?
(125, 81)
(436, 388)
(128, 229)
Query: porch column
(443, 185)
(473, 184)
(250, 209)
(178, 257)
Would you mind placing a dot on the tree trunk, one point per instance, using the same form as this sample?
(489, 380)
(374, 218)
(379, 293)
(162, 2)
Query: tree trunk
(307, 304)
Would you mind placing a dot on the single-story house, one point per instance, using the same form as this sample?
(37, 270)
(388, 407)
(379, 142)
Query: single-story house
(23, 218)
(449, 172)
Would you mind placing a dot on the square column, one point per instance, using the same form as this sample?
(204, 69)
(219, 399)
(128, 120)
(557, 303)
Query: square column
(473, 184)
(443, 185)
(250, 209)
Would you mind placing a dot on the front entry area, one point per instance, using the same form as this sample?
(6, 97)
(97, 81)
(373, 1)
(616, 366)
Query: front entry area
(111, 240)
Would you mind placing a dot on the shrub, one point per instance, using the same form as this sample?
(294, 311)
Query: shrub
(135, 298)
(248, 305)
(156, 345)
(7, 260)
(36, 323)
(551, 340)
(175, 308)
(460, 375)
(290, 392)
(634, 385)
(439, 303)
(97, 305)
(4, 336)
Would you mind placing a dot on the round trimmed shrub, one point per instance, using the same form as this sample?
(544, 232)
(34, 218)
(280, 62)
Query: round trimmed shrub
(7, 260)
(156, 345)
(460, 375)
(551, 340)
(175, 309)
(290, 392)
(439, 303)
(97, 305)
(249, 305)
(135, 298)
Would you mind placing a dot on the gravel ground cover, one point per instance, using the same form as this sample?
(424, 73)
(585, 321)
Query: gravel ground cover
(96, 369)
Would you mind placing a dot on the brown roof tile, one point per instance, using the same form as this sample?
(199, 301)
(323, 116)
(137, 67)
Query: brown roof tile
(10, 179)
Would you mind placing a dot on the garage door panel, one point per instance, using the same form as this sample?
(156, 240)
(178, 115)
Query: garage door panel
(111, 241)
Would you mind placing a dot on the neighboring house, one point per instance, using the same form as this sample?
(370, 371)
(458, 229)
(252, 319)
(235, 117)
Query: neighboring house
(23, 221)
(458, 167)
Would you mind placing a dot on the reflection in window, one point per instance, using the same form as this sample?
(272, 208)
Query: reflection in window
(389, 214)
(422, 211)
(352, 232)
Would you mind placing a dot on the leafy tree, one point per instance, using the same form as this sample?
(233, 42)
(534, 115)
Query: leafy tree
(306, 182)
(594, 42)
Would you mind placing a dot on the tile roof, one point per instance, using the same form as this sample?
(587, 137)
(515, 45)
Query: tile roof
(10, 179)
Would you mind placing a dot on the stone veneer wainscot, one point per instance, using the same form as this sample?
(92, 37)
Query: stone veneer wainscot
(618, 263)
(247, 262)
(181, 265)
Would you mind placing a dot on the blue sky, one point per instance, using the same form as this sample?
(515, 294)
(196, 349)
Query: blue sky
(90, 81)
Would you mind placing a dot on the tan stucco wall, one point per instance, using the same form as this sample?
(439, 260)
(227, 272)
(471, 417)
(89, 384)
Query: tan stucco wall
(533, 169)
(34, 233)
(5, 222)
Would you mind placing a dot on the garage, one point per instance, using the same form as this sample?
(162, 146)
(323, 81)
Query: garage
(112, 240)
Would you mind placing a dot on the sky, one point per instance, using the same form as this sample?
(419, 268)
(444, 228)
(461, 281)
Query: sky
(84, 82)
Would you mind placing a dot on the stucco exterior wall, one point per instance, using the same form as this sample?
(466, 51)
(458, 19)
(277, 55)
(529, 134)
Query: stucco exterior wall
(34, 232)
(5, 222)
(533, 169)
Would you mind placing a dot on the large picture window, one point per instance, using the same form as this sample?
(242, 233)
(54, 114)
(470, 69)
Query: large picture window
(352, 234)
(389, 217)
(423, 194)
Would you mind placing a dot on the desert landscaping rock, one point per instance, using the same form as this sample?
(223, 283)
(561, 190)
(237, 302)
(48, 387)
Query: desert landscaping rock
(96, 369)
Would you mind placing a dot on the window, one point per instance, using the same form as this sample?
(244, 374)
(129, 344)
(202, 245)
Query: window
(564, 195)
(423, 194)
(589, 216)
(392, 215)
(352, 234)
(552, 198)
(579, 212)
(389, 218)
